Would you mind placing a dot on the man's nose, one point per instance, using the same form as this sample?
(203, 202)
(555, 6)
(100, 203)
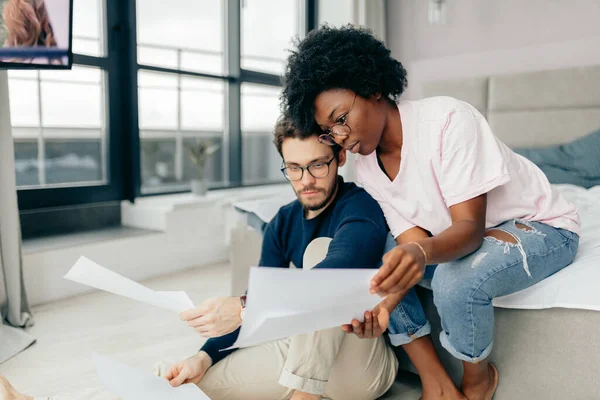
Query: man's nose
(307, 178)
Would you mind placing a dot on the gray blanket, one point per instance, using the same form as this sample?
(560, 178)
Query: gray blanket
(576, 163)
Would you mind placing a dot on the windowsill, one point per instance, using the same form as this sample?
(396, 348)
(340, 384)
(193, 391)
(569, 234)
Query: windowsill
(172, 202)
(147, 216)
(55, 242)
(153, 212)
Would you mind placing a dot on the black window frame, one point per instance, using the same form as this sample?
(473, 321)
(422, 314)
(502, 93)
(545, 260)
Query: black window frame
(121, 67)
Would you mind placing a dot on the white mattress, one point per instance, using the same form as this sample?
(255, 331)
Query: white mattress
(577, 285)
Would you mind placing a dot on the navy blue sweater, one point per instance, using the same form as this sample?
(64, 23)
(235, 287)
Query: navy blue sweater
(354, 222)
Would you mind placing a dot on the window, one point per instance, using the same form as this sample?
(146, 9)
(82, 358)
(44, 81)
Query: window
(61, 114)
(123, 121)
(59, 120)
(26, 162)
(175, 111)
(268, 28)
(188, 85)
(260, 108)
(182, 99)
(195, 35)
(336, 12)
(88, 27)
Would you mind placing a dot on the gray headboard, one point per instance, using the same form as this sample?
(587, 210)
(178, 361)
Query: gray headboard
(534, 109)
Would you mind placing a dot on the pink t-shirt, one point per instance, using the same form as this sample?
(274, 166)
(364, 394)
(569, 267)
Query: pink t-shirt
(450, 155)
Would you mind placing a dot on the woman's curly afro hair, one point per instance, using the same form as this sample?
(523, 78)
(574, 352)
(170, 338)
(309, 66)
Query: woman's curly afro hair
(338, 58)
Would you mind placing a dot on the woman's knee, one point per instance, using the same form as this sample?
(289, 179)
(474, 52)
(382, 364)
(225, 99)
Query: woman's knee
(446, 286)
(453, 289)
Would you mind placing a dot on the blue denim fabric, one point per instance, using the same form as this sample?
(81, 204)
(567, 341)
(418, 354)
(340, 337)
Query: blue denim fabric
(408, 321)
(463, 289)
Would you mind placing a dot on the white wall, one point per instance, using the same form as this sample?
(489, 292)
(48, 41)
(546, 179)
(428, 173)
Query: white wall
(483, 37)
(196, 241)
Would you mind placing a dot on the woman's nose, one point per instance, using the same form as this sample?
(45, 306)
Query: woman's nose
(340, 139)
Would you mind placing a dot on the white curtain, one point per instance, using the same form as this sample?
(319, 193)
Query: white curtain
(14, 308)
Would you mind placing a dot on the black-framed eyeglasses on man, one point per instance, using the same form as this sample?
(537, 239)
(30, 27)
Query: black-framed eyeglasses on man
(317, 170)
(340, 128)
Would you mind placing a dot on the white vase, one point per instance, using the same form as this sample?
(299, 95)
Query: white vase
(199, 187)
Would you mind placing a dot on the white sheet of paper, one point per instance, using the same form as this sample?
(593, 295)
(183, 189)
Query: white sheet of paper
(91, 274)
(181, 297)
(286, 302)
(133, 384)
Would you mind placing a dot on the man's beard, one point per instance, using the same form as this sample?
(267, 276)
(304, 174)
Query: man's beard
(320, 205)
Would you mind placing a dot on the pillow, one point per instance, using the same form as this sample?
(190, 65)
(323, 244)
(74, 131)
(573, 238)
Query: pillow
(575, 163)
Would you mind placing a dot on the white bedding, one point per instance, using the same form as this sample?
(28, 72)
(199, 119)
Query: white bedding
(577, 285)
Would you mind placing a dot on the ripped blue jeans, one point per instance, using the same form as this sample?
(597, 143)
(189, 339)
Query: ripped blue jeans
(408, 321)
(463, 290)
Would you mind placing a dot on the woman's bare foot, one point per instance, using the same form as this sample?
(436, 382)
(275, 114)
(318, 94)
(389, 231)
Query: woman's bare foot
(435, 380)
(452, 393)
(484, 388)
(7, 392)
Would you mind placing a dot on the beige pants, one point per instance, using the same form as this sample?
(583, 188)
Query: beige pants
(331, 363)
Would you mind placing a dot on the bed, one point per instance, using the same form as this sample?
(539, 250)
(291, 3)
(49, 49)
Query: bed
(544, 336)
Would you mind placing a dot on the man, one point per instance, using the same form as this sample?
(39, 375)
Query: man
(324, 363)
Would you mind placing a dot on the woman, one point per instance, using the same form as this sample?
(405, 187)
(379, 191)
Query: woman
(452, 194)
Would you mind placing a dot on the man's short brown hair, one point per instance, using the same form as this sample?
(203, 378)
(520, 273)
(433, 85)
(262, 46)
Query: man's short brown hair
(286, 129)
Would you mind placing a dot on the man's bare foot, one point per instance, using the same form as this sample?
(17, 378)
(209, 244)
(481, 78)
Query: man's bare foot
(485, 389)
(305, 396)
(7, 392)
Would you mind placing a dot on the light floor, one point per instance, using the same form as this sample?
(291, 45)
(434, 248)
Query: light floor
(68, 331)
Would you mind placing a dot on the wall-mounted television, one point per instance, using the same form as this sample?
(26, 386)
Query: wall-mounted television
(36, 34)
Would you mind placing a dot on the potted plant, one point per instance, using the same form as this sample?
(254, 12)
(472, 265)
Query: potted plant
(199, 153)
